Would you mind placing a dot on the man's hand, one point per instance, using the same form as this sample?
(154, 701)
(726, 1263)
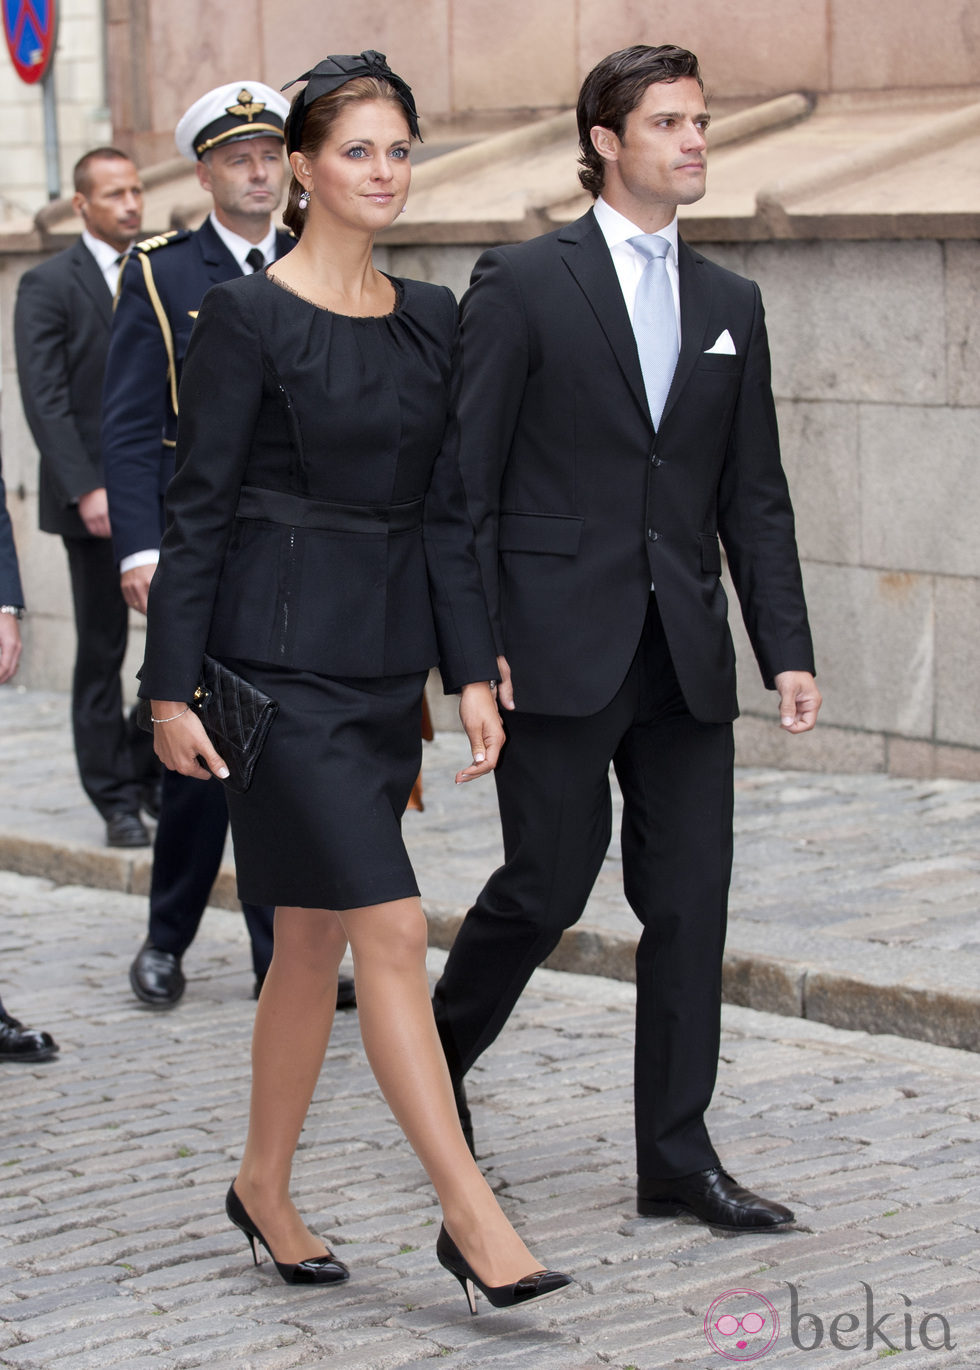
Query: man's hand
(135, 585)
(799, 700)
(9, 646)
(94, 511)
(505, 686)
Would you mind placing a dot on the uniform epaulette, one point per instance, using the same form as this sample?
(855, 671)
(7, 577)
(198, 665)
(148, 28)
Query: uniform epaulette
(162, 240)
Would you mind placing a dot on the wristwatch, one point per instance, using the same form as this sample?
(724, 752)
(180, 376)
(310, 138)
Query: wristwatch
(15, 610)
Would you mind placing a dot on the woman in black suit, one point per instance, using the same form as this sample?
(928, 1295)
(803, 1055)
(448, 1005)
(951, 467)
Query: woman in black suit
(319, 544)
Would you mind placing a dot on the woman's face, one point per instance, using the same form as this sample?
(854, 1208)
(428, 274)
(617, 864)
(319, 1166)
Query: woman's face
(361, 173)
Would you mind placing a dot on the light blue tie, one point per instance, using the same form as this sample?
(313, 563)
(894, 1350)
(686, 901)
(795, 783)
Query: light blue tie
(655, 322)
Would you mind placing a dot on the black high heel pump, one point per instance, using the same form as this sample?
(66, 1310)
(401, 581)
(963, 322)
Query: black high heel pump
(534, 1286)
(317, 1270)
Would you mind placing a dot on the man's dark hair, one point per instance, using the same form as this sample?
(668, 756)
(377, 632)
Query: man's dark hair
(82, 173)
(614, 88)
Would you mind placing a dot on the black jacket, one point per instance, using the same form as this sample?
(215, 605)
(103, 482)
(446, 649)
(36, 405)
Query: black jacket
(578, 504)
(61, 333)
(316, 519)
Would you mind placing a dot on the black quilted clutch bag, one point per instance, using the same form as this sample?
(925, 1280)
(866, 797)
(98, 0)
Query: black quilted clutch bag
(236, 717)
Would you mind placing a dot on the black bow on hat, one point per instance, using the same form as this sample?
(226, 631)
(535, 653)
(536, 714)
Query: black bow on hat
(337, 71)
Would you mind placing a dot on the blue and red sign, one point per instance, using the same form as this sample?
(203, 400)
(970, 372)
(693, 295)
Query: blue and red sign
(29, 28)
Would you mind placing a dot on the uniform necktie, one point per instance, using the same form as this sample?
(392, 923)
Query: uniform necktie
(655, 322)
(255, 258)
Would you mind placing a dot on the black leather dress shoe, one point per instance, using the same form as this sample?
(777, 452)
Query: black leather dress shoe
(126, 830)
(156, 977)
(19, 1043)
(346, 998)
(715, 1198)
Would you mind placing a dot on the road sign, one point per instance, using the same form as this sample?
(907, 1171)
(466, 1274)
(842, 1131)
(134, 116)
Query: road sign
(29, 27)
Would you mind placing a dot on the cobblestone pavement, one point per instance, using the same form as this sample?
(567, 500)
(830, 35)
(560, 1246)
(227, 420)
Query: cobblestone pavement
(115, 1157)
(854, 901)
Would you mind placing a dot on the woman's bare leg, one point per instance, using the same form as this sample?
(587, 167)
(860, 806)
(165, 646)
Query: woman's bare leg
(292, 1027)
(388, 943)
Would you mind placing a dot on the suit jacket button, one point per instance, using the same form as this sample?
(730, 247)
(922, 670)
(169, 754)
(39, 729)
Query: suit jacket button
(652, 534)
(656, 461)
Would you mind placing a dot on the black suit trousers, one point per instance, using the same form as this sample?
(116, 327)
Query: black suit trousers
(676, 777)
(115, 759)
(187, 855)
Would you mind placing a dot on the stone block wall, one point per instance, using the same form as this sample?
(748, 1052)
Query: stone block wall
(876, 372)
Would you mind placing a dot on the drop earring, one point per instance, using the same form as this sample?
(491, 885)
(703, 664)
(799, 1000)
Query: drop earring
(304, 200)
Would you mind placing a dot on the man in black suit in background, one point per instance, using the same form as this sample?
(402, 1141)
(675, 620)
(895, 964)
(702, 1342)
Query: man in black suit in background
(616, 419)
(17, 1042)
(61, 330)
(234, 137)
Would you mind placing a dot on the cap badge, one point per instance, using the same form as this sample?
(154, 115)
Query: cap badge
(247, 106)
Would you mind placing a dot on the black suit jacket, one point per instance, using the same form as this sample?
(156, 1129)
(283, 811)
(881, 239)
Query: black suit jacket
(61, 332)
(162, 287)
(579, 504)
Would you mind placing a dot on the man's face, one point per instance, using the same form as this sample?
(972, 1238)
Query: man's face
(660, 161)
(112, 209)
(245, 177)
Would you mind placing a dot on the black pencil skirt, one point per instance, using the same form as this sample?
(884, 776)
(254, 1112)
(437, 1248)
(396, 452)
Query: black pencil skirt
(320, 826)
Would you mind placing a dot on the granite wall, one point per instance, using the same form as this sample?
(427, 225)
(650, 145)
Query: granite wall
(876, 369)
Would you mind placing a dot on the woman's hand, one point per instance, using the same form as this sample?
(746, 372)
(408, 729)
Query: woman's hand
(182, 744)
(479, 716)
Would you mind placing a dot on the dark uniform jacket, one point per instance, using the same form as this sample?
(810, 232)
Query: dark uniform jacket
(10, 591)
(61, 333)
(579, 504)
(161, 291)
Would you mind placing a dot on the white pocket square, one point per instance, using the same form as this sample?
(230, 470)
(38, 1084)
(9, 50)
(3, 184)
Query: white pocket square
(724, 344)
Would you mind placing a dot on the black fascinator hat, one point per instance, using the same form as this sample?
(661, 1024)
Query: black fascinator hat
(333, 72)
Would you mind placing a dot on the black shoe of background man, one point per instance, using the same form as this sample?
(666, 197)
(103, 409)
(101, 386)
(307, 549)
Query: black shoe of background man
(126, 830)
(346, 997)
(19, 1043)
(713, 1197)
(156, 977)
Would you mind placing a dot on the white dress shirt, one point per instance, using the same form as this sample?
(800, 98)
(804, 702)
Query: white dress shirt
(240, 247)
(107, 259)
(629, 264)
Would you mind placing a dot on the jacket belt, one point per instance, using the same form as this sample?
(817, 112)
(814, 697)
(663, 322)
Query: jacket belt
(276, 506)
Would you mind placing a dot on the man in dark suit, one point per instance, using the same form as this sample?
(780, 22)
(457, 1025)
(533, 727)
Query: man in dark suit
(17, 1042)
(61, 329)
(11, 595)
(234, 137)
(616, 419)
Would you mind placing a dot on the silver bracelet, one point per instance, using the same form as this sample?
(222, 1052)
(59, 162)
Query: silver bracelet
(183, 711)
